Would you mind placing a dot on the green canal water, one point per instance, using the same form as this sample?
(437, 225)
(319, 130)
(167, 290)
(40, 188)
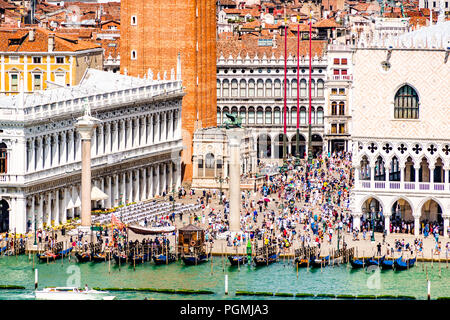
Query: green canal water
(278, 277)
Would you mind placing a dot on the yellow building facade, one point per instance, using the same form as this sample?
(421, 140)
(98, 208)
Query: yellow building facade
(44, 60)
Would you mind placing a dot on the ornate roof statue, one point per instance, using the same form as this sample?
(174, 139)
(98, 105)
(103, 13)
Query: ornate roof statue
(232, 121)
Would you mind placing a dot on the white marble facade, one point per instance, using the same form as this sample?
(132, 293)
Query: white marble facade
(405, 159)
(135, 149)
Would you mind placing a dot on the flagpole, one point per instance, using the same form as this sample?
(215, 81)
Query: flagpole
(309, 121)
(285, 86)
(298, 91)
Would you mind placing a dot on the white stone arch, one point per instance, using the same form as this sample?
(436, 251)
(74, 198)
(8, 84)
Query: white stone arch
(424, 200)
(405, 198)
(367, 197)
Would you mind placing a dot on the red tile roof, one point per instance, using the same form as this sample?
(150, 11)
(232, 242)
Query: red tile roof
(248, 44)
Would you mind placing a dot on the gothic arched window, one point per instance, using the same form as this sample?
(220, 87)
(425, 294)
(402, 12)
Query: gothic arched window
(406, 103)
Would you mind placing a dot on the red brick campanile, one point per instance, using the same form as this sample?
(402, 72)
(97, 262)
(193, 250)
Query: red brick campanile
(157, 30)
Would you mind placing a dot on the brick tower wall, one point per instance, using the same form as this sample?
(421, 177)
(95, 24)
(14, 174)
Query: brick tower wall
(163, 29)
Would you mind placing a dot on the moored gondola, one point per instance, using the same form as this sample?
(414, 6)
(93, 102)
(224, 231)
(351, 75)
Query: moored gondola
(403, 265)
(320, 262)
(47, 256)
(262, 260)
(193, 260)
(357, 264)
(120, 258)
(237, 260)
(387, 264)
(138, 258)
(83, 257)
(99, 257)
(161, 258)
(302, 263)
(375, 262)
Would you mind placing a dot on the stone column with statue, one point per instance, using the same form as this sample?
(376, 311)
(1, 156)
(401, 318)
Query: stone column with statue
(234, 132)
(85, 126)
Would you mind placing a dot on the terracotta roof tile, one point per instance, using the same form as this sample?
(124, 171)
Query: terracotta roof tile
(40, 44)
(248, 44)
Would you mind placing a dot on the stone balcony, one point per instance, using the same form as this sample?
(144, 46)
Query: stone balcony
(392, 186)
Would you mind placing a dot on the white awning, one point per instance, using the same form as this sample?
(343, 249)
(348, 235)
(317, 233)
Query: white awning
(69, 204)
(77, 202)
(97, 194)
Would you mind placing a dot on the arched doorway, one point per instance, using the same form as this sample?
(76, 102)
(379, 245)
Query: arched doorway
(4, 216)
(372, 207)
(402, 216)
(279, 146)
(301, 145)
(264, 146)
(431, 216)
(316, 144)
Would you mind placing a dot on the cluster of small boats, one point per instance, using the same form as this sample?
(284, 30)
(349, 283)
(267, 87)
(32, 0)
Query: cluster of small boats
(313, 262)
(383, 263)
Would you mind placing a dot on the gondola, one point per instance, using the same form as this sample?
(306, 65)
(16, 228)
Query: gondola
(387, 264)
(99, 257)
(403, 265)
(357, 264)
(65, 252)
(302, 263)
(47, 256)
(321, 262)
(375, 262)
(262, 261)
(161, 259)
(193, 260)
(238, 260)
(120, 257)
(83, 257)
(138, 258)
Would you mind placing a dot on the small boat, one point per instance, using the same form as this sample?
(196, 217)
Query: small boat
(357, 264)
(302, 263)
(65, 252)
(235, 260)
(138, 258)
(193, 260)
(47, 256)
(99, 257)
(152, 230)
(387, 264)
(375, 262)
(262, 261)
(161, 259)
(120, 257)
(321, 262)
(403, 265)
(83, 257)
(71, 293)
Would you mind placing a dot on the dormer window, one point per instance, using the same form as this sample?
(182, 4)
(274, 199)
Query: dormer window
(133, 20)
(133, 55)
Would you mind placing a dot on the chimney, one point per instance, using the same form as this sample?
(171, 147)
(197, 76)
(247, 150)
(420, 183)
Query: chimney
(51, 42)
(31, 35)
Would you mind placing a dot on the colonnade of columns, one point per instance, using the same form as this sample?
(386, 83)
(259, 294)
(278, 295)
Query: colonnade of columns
(58, 205)
(54, 149)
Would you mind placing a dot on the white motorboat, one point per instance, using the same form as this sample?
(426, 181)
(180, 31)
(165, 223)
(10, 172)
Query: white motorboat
(71, 293)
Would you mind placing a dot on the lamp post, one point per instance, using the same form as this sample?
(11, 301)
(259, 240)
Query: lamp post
(372, 238)
(35, 242)
(221, 180)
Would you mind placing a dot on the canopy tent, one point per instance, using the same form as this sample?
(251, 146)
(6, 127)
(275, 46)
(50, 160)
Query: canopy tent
(97, 194)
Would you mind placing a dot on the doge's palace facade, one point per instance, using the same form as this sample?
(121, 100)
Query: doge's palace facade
(135, 148)
(401, 131)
